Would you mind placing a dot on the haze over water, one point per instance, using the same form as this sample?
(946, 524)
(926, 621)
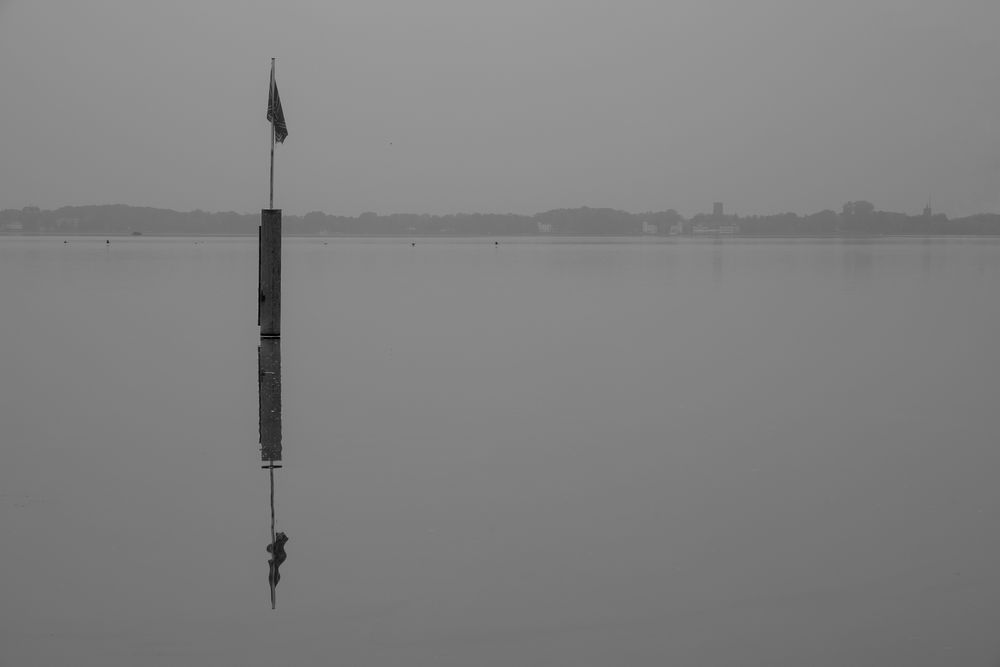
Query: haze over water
(553, 452)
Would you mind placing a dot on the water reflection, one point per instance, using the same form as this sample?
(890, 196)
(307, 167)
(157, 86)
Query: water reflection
(269, 388)
(857, 259)
(717, 260)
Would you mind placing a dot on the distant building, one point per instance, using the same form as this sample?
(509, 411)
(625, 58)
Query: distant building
(544, 227)
(649, 228)
(717, 211)
(714, 229)
(15, 226)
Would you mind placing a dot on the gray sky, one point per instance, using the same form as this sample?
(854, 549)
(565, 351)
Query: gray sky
(503, 106)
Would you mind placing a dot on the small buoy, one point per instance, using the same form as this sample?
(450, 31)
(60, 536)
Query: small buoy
(107, 241)
(413, 245)
(496, 243)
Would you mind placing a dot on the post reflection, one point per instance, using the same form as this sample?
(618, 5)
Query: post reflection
(269, 389)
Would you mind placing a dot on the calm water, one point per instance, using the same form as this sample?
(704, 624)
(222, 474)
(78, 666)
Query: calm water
(543, 453)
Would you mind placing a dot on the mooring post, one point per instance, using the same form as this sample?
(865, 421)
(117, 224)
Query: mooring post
(269, 296)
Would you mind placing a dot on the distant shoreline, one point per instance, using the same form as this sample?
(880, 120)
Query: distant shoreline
(858, 219)
(636, 237)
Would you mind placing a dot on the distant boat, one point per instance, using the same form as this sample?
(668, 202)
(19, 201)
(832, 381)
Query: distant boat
(136, 233)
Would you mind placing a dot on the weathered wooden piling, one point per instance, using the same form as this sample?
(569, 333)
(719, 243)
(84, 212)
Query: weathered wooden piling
(269, 283)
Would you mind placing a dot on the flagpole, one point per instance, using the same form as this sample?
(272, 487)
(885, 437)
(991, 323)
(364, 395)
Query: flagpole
(269, 297)
(271, 198)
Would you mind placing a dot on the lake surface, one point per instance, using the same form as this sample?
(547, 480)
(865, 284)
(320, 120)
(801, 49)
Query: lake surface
(547, 452)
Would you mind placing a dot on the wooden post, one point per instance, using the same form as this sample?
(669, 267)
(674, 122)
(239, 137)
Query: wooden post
(269, 293)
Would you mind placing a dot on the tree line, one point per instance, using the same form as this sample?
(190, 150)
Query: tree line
(854, 218)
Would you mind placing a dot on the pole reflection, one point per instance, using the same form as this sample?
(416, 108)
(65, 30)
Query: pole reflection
(269, 389)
